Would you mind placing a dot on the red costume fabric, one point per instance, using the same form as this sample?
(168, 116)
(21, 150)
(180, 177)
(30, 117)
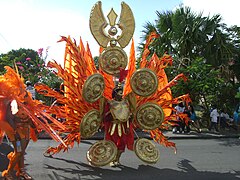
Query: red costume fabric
(127, 137)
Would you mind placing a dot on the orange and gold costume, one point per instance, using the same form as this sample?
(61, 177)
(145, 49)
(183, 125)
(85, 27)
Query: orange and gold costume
(19, 120)
(88, 103)
(75, 107)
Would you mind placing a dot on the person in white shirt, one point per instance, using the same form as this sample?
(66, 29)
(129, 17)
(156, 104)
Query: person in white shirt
(214, 119)
(180, 108)
(225, 119)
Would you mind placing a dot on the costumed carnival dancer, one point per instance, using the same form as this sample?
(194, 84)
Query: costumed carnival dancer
(19, 121)
(116, 97)
(118, 115)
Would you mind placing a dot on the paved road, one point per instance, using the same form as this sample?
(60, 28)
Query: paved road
(195, 159)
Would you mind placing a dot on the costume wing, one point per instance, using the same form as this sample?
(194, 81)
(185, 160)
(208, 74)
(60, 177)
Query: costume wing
(159, 103)
(126, 24)
(12, 87)
(78, 77)
(98, 24)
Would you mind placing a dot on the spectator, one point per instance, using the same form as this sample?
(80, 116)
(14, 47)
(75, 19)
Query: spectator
(236, 115)
(214, 118)
(31, 89)
(225, 119)
(180, 108)
(193, 117)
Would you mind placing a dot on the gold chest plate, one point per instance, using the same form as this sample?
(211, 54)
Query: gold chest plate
(120, 110)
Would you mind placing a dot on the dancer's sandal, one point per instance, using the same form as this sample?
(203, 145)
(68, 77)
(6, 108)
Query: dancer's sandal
(115, 164)
(23, 174)
(8, 176)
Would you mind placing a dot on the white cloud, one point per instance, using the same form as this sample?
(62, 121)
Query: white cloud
(26, 27)
(39, 24)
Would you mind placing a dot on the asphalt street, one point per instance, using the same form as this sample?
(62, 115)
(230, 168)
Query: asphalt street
(215, 158)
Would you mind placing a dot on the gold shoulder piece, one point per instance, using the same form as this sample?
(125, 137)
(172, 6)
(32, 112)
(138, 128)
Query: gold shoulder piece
(97, 24)
(126, 24)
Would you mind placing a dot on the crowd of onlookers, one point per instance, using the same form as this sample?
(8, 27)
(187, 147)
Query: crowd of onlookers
(186, 117)
(219, 119)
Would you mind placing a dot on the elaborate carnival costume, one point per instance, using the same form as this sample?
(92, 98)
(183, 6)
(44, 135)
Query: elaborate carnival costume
(18, 120)
(92, 100)
(117, 116)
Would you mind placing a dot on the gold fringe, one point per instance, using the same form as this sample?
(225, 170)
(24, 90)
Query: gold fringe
(119, 130)
(113, 128)
(124, 131)
(128, 124)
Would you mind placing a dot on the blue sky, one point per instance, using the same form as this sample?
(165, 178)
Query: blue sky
(38, 24)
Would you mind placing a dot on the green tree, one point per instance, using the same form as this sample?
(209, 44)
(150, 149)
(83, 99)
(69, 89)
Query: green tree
(188, 35)
(191, 38)
(203, 83)
(31, 66)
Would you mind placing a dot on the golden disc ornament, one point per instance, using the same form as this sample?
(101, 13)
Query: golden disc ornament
(149, 116)
(112, 59)
(144, 82)
(146, 151)
(93, 88)
(90, 124)
(102, 153)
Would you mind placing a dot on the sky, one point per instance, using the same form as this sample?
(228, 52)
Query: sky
(38, 24)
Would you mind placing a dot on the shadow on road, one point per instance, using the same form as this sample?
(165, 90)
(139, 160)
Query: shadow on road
(4, 150)
(187, 171)
(230, 142)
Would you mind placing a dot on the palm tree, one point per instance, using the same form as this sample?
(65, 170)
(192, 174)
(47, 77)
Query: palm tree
(188, 36)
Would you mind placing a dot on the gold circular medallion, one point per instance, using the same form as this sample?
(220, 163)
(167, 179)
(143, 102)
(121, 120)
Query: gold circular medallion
(90, 124)
(146, 150)
(144, 82)
(149, 116)
(102, 153)
(112, 59)
(93, 88)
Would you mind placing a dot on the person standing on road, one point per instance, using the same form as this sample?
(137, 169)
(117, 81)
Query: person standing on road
(236, 115)
(224, 119)
(118, 116)
(17, 125)
(193, 117)
(19, 122)
(214, 118)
